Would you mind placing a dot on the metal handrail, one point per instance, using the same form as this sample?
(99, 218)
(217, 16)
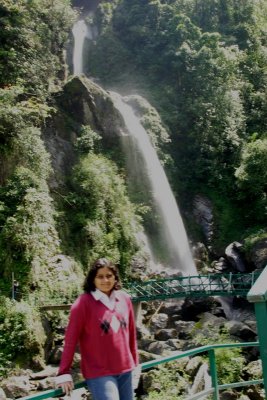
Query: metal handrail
(210, 349)
(258, 296)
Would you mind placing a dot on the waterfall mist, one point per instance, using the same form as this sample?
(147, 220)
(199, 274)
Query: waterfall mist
(143, 158)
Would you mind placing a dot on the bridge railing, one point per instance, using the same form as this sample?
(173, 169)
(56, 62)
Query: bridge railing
(213, 389)
(193, 286)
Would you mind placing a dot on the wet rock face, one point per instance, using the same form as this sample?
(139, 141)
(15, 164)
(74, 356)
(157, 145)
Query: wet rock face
(204, 216)
(81, 102)
(88, 104)
(234, 255)
(86, 5)
(258, 253)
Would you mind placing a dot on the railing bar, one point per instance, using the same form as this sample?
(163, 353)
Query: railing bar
(139, 290)
(57, 392)
(158, 284)
(202, 349)
(149, 364)
(240, 384)
(155, 291)
(161, 287)
(200, 395)
(230, 278)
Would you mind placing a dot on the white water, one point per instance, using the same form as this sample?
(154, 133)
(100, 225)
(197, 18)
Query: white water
(173, 227)
(80, 31)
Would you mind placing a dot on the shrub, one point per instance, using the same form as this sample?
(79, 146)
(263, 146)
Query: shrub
(22, 335)
(104, 219)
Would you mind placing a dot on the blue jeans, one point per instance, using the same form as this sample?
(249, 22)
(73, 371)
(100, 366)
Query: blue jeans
(112, 387)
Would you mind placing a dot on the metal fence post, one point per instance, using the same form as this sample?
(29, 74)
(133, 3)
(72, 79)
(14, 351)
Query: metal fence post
(258, 296)
(12, 287)
(213, 374)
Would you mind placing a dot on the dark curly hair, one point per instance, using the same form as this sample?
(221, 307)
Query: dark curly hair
(89, 285)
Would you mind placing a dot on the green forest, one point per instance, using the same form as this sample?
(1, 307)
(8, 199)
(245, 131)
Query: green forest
(201, 63)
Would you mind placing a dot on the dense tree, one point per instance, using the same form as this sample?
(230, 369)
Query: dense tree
(252, 178)
(33, 35)
(104, 219)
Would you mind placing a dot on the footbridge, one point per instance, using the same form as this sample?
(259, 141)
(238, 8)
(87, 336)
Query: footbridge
(230, 284)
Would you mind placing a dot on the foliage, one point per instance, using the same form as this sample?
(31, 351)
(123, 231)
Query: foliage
(252, 177)
(28, 238)
(28, 235)
(87, 140)
(104, 217)
(33, 35)
(22, 336)
(253, 237)
(252, 174)
(108, 47)
(167, 381)
(229, 361)
(17, 117)
(103, 15)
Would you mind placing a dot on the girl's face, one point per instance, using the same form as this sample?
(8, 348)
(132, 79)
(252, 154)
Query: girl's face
(104, 280)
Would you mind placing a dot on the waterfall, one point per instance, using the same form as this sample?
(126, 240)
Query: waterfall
(173, 231)
(80, 31)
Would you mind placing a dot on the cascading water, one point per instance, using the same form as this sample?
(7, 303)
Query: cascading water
(172, 226)
(80, 31)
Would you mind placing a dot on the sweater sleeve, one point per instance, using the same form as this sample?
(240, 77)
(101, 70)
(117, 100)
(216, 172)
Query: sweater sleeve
(132, 333)
(72, 335)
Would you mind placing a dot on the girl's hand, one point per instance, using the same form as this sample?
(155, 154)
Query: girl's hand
(67, 387)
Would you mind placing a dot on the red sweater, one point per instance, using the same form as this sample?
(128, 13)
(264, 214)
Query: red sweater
(107, 338)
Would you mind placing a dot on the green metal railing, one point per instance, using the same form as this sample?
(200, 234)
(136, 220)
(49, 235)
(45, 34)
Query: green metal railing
(193, 286)
(210, 350)
(258, 296)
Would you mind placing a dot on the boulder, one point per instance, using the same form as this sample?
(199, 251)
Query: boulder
(202, 379)
(2, 394)
(193, 365)
(159, 348)
(253, 370)
(184, 329)
(258, 253)
(165, 334)
(240, 330)
(229, 395)
(234, 255)
(88, 104)
(158, 321)
(49, 371)
(17, 386)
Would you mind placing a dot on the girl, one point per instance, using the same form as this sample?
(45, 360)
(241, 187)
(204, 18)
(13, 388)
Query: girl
(102, 322)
